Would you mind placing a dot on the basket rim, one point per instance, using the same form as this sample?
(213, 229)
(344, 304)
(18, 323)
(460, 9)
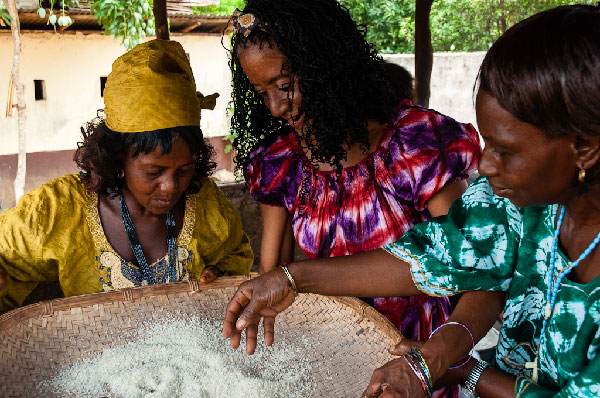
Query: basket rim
(48, 307)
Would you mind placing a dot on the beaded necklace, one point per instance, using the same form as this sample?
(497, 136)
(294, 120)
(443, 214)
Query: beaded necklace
(137, 248)
(554, 285)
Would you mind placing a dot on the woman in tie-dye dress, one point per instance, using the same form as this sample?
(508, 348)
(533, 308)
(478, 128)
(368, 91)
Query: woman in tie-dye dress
(336, 160)
(529, 228)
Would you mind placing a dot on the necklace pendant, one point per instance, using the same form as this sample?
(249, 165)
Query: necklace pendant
(548, 311)
(533, 365)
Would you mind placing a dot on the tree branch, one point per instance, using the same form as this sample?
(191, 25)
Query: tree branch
(15, 28)
(423, 51)
(159, 8)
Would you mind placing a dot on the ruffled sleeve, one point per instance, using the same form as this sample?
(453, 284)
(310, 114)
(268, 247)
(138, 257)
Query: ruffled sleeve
(475, 247)
(427, 151)
(38, 235)
(274, 172)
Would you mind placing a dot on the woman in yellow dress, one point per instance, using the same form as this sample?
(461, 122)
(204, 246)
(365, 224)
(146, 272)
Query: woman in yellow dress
(142, 210)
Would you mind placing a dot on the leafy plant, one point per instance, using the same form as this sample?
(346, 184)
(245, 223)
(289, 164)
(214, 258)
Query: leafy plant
(456, 25)
(229, 138)
(5, 17)
(132, 20)
(64, 19)
(225, 7)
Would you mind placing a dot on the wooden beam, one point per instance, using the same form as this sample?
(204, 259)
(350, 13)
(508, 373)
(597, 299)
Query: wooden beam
(191, 27)
(159, 8)
(423, 51)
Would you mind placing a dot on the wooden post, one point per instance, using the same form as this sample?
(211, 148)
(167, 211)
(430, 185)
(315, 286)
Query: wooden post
(159, 8)
(423, 51)
(15, 28)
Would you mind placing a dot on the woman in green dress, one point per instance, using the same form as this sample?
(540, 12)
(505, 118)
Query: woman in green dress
(529, 227)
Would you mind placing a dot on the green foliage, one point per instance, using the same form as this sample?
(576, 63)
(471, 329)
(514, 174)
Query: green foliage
(132, 20)
(389, 23)
(463, 25)
(4, 15)
(225, 7)
(456, 25)
(229, 138)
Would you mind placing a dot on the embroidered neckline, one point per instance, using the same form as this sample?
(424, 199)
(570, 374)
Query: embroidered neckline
(101, 241)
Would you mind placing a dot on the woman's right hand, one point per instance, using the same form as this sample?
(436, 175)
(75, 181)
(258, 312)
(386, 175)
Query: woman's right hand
(264, 296)
(3, 279)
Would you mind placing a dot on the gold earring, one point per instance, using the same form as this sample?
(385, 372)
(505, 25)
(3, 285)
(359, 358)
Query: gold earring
(120, 174)
(581, 175)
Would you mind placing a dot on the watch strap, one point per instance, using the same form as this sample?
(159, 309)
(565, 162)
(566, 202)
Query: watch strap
(468, 388)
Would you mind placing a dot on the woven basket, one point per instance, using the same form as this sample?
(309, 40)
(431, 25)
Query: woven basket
(38, 339)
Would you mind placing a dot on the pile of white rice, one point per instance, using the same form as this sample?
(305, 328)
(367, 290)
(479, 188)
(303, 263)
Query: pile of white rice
(186, 358)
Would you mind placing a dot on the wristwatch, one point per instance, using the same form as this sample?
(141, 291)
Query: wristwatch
(467, 390)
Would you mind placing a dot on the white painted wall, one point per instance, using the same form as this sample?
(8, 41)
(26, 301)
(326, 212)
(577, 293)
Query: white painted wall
(452, 79)
(71, 65)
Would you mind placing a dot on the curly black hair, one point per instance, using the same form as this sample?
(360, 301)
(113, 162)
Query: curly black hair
(101, 154)
(341, 79)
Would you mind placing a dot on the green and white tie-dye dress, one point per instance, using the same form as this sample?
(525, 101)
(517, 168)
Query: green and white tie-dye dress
(487, 243)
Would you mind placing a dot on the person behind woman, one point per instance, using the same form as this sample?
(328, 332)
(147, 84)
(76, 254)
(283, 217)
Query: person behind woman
(529, 227)
(335, 159)
(143, 210)
(401, 79)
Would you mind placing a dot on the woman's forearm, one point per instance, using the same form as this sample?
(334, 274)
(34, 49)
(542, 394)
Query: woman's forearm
(370, 274)
(494, 383)
(274, 239)
(288, 243)
(475, 311)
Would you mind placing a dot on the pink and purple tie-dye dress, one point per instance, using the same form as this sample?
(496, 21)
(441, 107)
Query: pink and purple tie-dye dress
(373, 202)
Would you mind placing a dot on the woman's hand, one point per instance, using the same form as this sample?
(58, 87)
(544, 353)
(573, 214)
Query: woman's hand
(396, 378)
(265, 297)
(210, 274)
(3, 279)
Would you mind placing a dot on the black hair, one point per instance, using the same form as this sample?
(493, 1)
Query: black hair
(101, 154)
(545, 71)
(401, 80)
(340, 76)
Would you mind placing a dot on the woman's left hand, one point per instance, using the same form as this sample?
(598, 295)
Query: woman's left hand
(396, 378)
(209, 274)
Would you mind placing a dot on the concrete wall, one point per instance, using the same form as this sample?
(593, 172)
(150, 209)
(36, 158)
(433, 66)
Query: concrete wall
(71, 64)
(452, 79)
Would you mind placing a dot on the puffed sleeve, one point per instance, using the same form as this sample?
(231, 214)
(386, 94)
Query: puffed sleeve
(218, 231)
(24, 231)
(429, 150)
(474, 247)
(274, 172)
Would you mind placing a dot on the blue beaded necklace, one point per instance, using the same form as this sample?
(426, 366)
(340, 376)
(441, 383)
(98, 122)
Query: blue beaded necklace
(137, 248)
(554, 285)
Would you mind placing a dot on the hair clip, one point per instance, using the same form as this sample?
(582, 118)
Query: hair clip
(244, 23)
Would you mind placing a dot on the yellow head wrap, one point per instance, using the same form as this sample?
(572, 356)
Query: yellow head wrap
(151, 88)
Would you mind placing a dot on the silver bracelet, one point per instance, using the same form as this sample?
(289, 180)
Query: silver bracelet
(291, 279)
(468, 389)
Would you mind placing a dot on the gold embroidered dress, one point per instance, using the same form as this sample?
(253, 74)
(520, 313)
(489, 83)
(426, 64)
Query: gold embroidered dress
(55, 233)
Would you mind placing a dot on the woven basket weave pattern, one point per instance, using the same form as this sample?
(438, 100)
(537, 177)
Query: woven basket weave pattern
(346, 338)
